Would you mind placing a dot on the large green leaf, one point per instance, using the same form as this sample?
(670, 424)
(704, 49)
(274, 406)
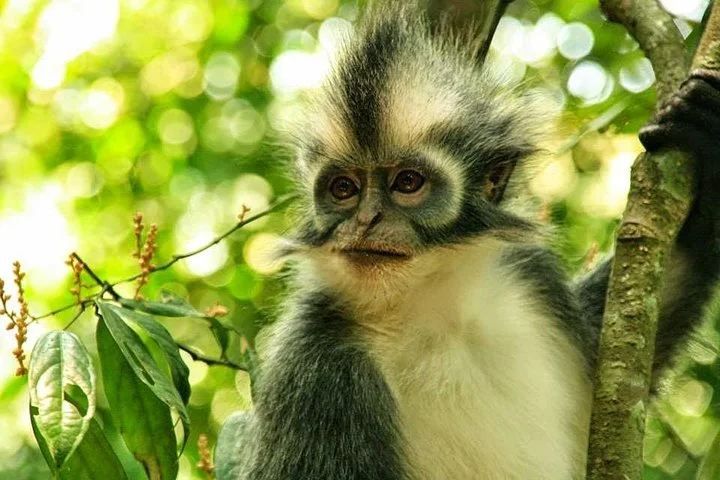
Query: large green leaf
(141, 361)
(62, 393)
(229, 448)
(178, 369)
(94, 458)
(144, 420)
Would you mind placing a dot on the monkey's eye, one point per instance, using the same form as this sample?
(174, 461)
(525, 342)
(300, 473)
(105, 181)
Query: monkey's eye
(408, 181)
(343, 188)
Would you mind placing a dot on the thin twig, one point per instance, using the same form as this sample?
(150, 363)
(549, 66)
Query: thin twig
(77, 315)
(106, 287)
(199, 357)
(109, 287)
(176, 258)
(84, 304)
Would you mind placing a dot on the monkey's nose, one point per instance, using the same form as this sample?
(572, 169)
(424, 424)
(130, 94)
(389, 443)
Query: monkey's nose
(369, 221)
(375, 220)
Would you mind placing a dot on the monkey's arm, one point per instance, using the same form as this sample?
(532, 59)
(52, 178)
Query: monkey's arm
(690, 121)
(322, 410)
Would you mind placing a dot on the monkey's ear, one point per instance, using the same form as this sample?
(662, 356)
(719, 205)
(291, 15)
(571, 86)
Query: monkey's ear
(497, 180)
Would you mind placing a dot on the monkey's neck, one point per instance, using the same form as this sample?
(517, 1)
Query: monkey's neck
(481, 370)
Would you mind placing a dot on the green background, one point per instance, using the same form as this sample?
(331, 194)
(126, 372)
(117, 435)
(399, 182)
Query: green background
(174, 108)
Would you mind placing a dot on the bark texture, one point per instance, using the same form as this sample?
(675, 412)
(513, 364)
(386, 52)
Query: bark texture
(660, 196)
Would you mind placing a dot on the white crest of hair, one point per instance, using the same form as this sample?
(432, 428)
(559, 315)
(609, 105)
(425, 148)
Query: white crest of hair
(426, 86)
(486, 385)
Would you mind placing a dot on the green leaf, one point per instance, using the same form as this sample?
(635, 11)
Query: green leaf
(251, 362)
(141, 362)
(221, 335)
(174, 306)
(161, 308)
(178, 369)
(62, 393)
(228, 451)
(143, 419)
(710, 465)
(94, 457)
(170, 305)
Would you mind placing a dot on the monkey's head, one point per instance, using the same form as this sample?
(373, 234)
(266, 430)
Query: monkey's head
(407, 151)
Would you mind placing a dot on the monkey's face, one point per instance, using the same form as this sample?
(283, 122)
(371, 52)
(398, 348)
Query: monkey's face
(382, 222)
(371, 225)
(381, 215)
(404, 155)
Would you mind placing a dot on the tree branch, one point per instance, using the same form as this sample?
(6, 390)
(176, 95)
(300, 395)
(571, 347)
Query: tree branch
(106, 287)
(708, 51)
(199, 357)
(493, 14)
(660, 197)
(478, 18)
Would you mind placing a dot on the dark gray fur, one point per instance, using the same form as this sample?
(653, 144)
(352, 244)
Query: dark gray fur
(323, 411)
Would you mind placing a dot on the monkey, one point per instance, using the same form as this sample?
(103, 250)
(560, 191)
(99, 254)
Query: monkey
(430, 332)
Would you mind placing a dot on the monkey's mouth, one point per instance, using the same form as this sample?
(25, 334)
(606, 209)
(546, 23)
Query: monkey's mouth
(373, 255)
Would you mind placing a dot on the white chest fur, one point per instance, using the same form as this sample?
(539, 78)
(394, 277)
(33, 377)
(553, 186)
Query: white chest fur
(487, 387)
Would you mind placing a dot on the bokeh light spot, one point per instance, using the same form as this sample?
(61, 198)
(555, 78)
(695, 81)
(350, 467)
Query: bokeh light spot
(259, 253)
(254, 192)
(637, 76)
(333, 32)
(575, 40)
(83, 180)
(8, 113)
(591, 82)
(689, 9)
(221, 75)
(245, 123)
(191, 22)
(175, 126)
(169, 71)
(691, 397)
(209, 261)
(293, 71)
(320, 9)
(102, 103)
(227, 401)
(30, 227)
(67, 28)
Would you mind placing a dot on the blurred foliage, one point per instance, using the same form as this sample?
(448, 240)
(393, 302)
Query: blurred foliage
(169, 107)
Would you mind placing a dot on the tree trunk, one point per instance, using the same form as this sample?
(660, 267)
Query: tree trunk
(660, 196)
